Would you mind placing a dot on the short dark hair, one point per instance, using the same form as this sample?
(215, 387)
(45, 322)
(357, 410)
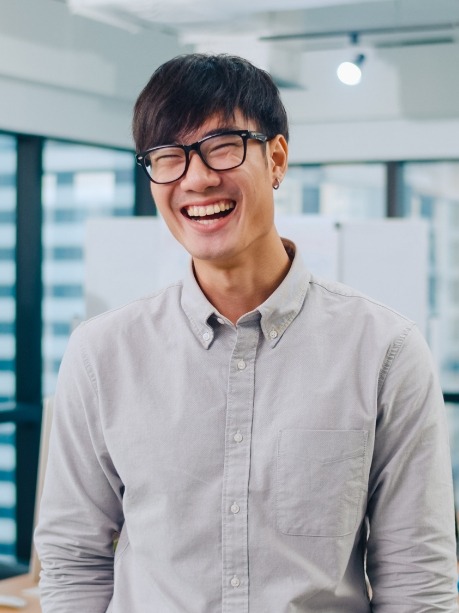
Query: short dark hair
(185, 91)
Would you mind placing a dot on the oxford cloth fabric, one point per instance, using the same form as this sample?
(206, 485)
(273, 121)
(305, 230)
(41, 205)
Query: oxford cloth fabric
(241, 465)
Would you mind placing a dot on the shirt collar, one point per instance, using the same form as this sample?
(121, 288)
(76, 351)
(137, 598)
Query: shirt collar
(197, 308)
(276, 313)
(284, 304)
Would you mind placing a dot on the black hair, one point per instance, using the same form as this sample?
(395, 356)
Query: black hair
(189, 89)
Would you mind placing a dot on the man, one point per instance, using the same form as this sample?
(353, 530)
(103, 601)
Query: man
(249, 437)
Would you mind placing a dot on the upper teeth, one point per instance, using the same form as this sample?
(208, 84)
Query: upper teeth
(210, 209)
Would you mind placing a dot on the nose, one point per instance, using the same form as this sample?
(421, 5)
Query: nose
(198, 176)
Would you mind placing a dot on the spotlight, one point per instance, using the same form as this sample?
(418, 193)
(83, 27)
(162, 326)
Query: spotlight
(350, 73)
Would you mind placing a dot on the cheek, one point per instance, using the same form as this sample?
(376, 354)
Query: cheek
(161, 198)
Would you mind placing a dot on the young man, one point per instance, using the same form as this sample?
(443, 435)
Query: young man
(250, 436)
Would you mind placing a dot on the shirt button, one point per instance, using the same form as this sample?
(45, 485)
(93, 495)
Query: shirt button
(235, 582)
(206, 336)
(238, 437)
(220, 320)
(241, 364)
(235, 508)
(273, 334)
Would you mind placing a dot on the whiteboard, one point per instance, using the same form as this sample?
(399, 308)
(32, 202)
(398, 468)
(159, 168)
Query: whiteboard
(316, 238)
(388, 259)
(126, 258)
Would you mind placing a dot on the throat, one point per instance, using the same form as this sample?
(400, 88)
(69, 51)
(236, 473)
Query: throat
(239, 285)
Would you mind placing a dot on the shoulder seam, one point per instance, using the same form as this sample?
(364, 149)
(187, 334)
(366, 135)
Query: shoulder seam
(362, 297)
(87, 367)
(392, 353)
(141, 299)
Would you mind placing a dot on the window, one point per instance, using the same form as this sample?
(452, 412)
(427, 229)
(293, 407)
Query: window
(452, 414)
(341, 191)
(78, 182)
(7, 265)
(7, 339)
(431, 191)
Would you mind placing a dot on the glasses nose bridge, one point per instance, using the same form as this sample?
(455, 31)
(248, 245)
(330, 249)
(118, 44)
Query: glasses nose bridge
(194, 147)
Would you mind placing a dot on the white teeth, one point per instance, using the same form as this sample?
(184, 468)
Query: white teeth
(210, 209)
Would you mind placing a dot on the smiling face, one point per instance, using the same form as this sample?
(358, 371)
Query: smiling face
(221, 216)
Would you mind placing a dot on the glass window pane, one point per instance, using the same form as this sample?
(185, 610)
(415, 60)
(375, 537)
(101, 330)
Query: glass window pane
(79, 182)
(340, 191)
(7, 493)
(431, 191)
(7, 342)
(452, 412)
(7, 265)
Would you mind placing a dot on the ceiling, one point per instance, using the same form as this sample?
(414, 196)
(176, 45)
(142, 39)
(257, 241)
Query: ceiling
(275, 38)
(196, 19)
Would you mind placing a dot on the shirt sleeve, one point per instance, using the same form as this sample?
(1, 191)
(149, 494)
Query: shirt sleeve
(411, 550)
(81, 506)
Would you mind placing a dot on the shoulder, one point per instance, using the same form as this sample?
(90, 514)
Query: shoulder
(132, 321)
(350, 302)
(361, 324)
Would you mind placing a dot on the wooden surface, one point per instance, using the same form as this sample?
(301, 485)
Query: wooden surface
(18, 586)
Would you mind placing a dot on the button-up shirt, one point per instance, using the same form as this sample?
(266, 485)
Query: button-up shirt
(282, 464)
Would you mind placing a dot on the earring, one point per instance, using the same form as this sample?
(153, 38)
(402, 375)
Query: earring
(276, 183)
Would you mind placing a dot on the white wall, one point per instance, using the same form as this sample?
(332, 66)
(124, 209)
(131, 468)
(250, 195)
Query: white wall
(70, 77)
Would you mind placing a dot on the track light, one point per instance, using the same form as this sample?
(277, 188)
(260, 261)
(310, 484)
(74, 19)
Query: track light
(350, 73)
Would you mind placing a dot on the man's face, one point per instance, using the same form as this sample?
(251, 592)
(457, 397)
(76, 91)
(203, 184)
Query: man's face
(244, 196)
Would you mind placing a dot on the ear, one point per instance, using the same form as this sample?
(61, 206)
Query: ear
(278, 156)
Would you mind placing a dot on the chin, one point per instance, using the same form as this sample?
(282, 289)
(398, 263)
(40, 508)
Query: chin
(209, 256)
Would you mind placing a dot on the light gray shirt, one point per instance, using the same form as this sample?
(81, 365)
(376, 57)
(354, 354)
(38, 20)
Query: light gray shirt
(249, 467)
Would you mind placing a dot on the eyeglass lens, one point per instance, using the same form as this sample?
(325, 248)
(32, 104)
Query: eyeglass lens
(220, 152)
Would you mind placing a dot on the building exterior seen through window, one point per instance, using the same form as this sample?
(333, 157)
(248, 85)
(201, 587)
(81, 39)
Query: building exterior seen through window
(339, 191)
(79, 182)
(7, 264)
(431, 191)
(7, 340)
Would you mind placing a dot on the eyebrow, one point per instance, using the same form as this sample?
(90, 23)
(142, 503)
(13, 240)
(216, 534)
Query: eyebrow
(221, 129)
(218, 130)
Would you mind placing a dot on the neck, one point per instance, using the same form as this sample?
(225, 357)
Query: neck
(240, 287)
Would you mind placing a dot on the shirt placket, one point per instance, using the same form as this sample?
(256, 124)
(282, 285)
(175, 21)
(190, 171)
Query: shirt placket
(238, 439)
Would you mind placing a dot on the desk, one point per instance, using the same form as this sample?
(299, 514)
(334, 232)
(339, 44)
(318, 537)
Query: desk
(15, 586)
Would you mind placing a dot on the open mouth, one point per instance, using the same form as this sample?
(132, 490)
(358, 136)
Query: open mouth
(208, 212)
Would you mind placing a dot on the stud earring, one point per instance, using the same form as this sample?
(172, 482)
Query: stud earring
(276, 183)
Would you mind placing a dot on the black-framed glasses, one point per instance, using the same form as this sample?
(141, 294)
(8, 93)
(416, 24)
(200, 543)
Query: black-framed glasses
(221, 151)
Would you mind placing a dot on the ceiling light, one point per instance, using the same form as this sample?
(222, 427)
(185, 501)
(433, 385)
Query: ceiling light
(350, 73)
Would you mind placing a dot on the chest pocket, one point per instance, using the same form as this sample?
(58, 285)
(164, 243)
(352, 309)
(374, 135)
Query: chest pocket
(320, 481)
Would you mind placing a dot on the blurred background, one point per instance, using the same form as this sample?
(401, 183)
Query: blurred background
(380, 143)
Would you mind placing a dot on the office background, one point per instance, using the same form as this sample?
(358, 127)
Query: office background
(69, 75)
